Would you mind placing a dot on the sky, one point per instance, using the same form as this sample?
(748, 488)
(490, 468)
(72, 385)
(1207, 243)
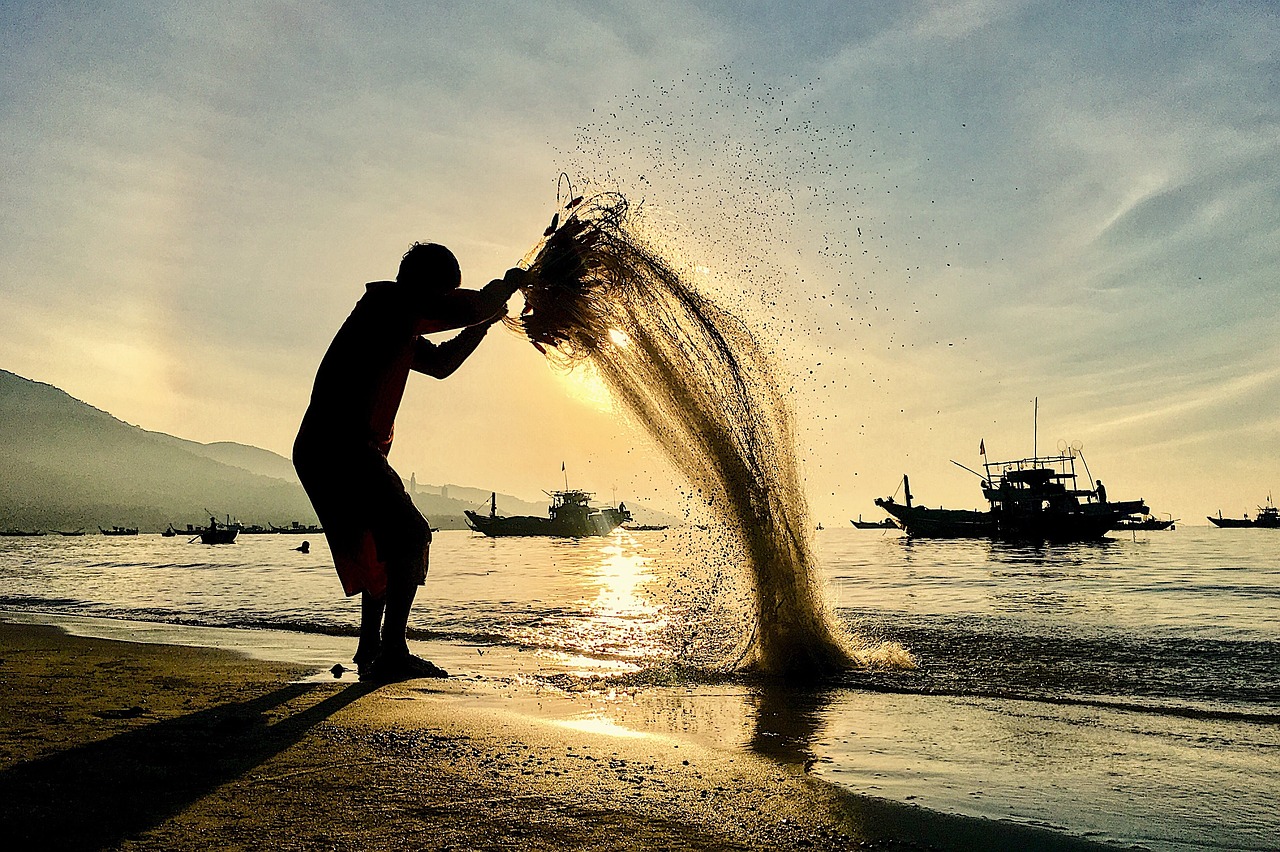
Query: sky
(1025, 224)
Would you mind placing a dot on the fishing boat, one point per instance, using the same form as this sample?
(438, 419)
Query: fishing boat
(217, 533)
(296, 528)
(1148, 523)
(119, 531)
(570, 515)
(13, 532)
(1034, 499)
(1268, 516)
(70, 532)
(886, 524)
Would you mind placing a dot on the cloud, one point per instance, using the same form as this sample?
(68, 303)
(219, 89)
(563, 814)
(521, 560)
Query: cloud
(942, 211)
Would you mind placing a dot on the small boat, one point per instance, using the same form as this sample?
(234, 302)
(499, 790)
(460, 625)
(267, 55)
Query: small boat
(13, 532)
(119, 531)
(217, 533)
(886, 524)
(169, 532)
(570, 515)
(643, 527)
(1268, 516)
(1148, 523)
(70, 532)
(1031, 499)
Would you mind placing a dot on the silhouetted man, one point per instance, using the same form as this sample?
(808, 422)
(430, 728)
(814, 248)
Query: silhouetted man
(379, 540)
(1102, 492)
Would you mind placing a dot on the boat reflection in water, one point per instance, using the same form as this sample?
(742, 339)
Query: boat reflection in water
(570, 515)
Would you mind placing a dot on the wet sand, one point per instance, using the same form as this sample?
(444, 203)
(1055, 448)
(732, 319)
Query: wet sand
(119, 745)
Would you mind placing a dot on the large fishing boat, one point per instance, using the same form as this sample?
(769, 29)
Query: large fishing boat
(117, 530)
(1268, 516)
(570, 515)
(1034, 499)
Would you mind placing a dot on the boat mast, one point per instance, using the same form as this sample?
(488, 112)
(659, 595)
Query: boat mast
(1035, 429)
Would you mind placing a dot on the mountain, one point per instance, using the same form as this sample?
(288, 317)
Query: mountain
(66, 465)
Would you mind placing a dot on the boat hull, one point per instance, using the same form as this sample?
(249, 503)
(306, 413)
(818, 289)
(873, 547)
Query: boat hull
(1089, 524)
(886, 524)
(1236, 523)
(597, 523)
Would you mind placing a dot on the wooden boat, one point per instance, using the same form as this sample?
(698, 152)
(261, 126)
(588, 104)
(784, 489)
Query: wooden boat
(70, 532)
(886, 524)
(119, 531)
(1268, 517)
(1147, 523)
(13, 532)
(1033, 499)
(570, 515)
(217, 533)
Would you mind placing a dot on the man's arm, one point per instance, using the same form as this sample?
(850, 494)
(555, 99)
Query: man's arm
(466, 308)
(440, 360)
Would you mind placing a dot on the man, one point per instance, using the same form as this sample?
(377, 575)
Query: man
(379, 540)
(1101, 492)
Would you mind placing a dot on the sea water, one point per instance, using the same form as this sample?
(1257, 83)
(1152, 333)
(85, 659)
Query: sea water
(1126, 690)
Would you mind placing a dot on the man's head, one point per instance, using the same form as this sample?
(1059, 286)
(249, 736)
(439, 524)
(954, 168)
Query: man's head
(430, 265)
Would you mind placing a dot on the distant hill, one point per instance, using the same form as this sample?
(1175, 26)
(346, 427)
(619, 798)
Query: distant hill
(66, 465)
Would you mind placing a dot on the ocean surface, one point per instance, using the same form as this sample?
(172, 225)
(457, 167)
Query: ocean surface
(1127, 690)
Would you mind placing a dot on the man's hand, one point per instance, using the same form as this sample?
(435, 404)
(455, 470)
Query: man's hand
(513, 280)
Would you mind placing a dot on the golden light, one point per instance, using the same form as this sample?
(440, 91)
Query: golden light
(583, 384)
(619, 337)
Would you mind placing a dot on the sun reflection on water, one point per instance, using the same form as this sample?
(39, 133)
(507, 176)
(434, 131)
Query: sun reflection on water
(622, 620)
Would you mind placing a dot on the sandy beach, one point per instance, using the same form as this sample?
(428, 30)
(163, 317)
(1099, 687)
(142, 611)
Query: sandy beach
(118, 745)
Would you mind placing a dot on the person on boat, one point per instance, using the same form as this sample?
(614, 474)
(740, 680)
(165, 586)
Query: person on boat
(1101, 492)
(379, 541)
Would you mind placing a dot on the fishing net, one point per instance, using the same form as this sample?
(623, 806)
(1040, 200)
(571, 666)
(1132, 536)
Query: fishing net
(694, 376)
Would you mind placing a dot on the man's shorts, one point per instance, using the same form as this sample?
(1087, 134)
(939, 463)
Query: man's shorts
(372, 526)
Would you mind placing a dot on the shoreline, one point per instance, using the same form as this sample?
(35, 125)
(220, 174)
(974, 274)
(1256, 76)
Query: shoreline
(138, 746)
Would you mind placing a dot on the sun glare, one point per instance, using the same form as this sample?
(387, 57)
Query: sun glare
(583, 384)
(619, 337)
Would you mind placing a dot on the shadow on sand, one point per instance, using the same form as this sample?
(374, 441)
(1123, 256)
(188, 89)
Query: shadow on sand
(94, 796)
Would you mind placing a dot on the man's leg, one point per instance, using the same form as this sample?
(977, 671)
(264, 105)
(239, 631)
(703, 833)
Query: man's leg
(404, 541)
(401, 591)
(370, 646)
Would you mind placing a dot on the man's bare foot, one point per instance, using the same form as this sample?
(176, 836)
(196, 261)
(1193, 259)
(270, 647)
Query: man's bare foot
(388, 669)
